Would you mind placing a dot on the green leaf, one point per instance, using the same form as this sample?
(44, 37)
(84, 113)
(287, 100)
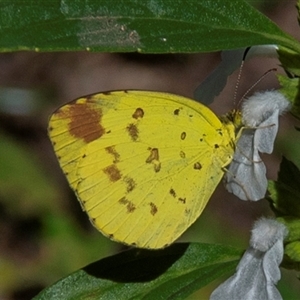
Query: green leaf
(290, 60)
(292, 250)
(171, 273)
(290, 89)
(285, 192)
(157, 26)
(293, 225)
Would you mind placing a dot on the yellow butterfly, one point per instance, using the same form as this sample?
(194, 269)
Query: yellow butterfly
(142, 164)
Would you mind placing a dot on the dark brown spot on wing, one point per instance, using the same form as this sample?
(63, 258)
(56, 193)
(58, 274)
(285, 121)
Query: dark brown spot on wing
(173, 193)
(129, 205)
(153, 208)
(113, 173)
(133, 131)
(112, 150)
(154, 159)
(85, 122)
(183, 135)
(197, 166)
(130, 184)
(182, 154)
(154, 155)
(110, 236)
(219, 131)
(176, 112)
(217, 146)
(138, 114)
(183, 200)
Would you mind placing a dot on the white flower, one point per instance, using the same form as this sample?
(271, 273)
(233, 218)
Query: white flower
(258, 271)
(246, 176)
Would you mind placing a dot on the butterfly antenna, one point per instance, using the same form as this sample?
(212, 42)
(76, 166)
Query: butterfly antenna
(240, 75)
(256, 83)
(238, 82)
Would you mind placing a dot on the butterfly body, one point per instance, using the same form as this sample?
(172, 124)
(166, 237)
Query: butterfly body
(142, 164)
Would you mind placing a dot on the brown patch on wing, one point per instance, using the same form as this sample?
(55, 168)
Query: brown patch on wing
(197, 166)
(131, 184)
(113, 173)
(154, 159)
(183, 135)
(138, 114)
(133, 131)
(112, 150)
(153, 208)
(85, 122)
(129, 205)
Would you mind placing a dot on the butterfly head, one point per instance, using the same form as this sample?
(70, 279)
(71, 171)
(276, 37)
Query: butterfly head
(234, 117)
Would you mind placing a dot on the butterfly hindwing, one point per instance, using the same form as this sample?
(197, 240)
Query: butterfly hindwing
(143, 164)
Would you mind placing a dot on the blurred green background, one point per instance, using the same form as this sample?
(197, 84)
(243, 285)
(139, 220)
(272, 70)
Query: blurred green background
(44, 235)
